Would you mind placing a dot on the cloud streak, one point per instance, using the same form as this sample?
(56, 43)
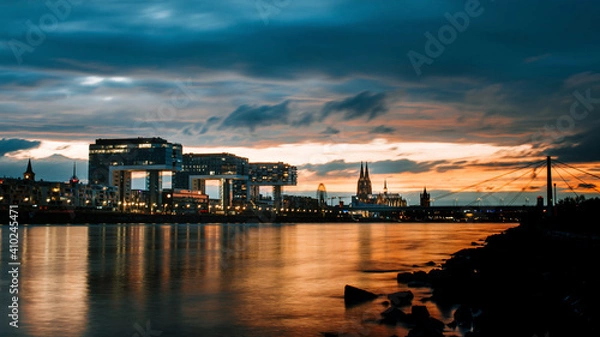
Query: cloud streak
(8, 145)
(366, 105)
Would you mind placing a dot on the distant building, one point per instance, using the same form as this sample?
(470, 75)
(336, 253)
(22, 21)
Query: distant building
(364, 192)
(300, 203)
(322, 195)
(363, 188)
(112, 161)
(425, 198)
(74, 180)
(55, 195)
(29, 174)
(230, 170)
(275, 174)
(390, 199)
(239, 180)
(540, 201)
(179, 201)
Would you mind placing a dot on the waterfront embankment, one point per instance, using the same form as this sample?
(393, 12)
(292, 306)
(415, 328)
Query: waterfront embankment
(537, 279)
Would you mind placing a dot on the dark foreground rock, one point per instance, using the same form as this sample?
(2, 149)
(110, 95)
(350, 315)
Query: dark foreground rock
(523, 282)
(401, 298)
(418, 320)
(353, 295)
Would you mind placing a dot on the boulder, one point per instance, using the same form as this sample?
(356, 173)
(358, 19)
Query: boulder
(353, 295)
(406, 277)
(425, 326)
(418, 284)
(463, 317)
(401, 298)
(435, 323)
(423, 331)
(420, 313)
(393, 315)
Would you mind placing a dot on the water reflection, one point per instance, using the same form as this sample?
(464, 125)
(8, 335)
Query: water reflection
(221, 280)
(53, 281)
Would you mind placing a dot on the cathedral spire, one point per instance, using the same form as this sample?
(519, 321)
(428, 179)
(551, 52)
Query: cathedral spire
(29, 174)
(385, 189)
(362, 175)
(366, 170)
(425, 198)
(74, 179)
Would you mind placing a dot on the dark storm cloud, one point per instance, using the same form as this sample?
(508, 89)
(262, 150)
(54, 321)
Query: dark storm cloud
(515, 164)
(382, 129)
(365, 104)
(496, 69)
(8, 145)
(201, 128)
(353, 37)
(305, 119)
(330, 131)
(580, 148)
(330, 168)
(402, 166)
(252, 116)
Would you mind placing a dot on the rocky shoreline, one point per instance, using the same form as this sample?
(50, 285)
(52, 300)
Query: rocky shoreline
(529, 281)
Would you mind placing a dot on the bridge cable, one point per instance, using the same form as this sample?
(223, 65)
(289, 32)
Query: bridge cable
(576, 177)
(575, 168)
(490, 179)
(534, 175)
(505, 184)
(509, 182)
(563, 179)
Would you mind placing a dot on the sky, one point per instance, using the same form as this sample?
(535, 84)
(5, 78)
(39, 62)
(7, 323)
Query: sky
(443, 94)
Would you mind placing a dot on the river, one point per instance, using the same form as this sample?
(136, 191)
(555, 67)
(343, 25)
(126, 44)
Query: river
(142, 280)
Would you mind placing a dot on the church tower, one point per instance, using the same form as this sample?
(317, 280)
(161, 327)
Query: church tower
(364, 190)
(29, 174)
(425, 198)
(74, 180)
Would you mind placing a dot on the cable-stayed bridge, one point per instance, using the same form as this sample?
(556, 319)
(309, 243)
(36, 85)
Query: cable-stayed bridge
(506, 193)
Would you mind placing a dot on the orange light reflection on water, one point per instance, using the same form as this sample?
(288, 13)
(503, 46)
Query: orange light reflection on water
(266, 280)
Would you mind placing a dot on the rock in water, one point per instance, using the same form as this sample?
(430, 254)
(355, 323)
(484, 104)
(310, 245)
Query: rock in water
(420, 313)
(393, 316)
(401, 298)
(353, 295)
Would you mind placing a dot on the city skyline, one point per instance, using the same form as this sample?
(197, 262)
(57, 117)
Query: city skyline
(432, 94)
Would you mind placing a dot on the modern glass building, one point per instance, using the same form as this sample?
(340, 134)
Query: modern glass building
(277, 174)
(111, 162)
(230, 170)
(239, 180)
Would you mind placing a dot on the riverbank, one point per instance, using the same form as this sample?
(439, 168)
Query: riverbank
(109, 217)
(87, 216)
(527, 281)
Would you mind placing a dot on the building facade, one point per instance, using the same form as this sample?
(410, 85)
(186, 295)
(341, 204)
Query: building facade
(112, 161)
(425, 198)
(390, 199)
(363, 188)
(239, 180)
(56, 195)
(364, 192)
(230, 170)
